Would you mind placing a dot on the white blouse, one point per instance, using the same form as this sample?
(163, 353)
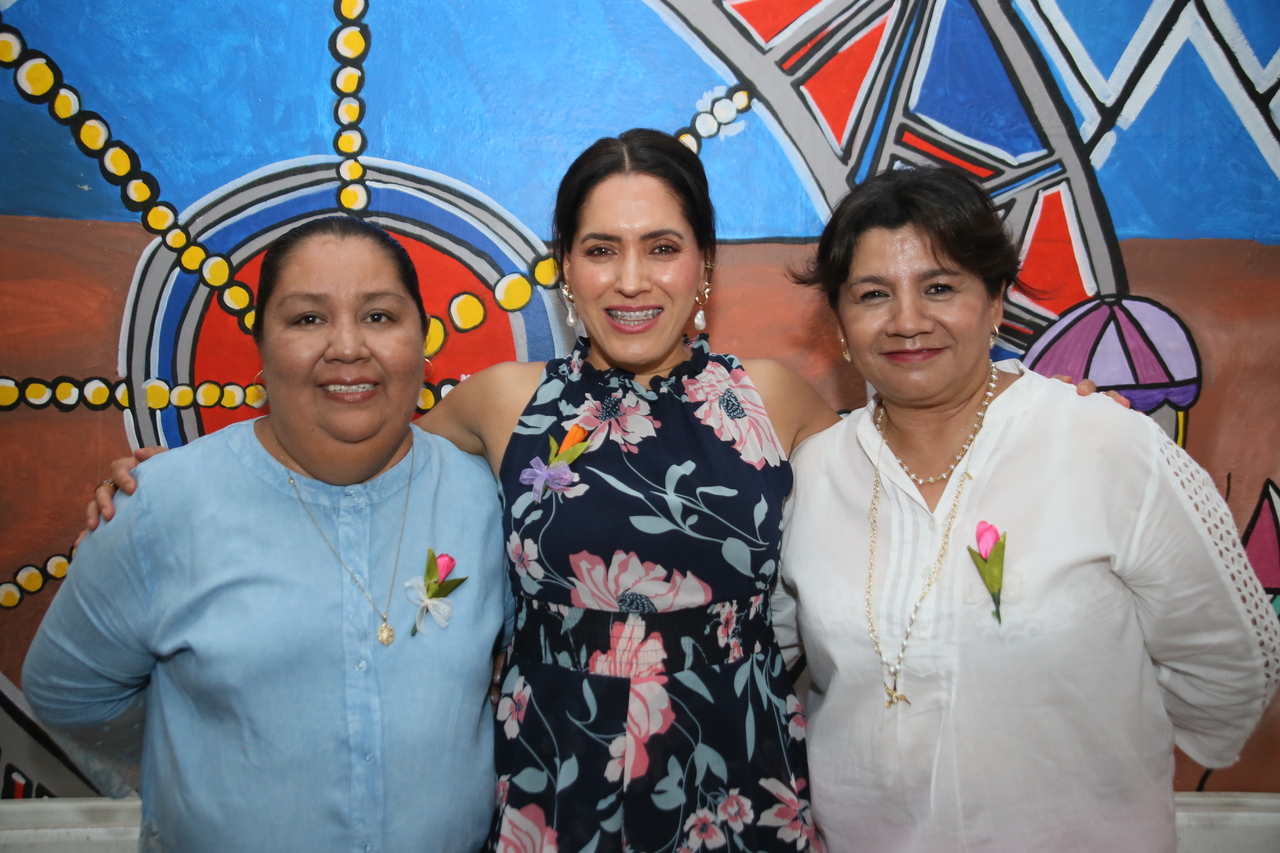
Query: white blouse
(1131, 621)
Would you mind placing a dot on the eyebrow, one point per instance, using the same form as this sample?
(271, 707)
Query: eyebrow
(370, 296)
(614, 238)
(927, 274)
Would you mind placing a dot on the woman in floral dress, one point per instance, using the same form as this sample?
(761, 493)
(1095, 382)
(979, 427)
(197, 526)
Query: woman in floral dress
(644, 705)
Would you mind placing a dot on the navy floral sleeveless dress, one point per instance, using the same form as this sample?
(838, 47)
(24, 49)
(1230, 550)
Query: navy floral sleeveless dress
(644, 704)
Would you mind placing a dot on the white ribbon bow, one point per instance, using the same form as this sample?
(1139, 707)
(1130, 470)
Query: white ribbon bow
(439, 608)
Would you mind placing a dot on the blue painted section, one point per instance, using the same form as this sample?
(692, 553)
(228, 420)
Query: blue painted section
(1032, 178)
(413, 206)
(1259, 20)
(1173, 176)
(501, 96)
(882, 119)
(1053, 69)
(1105, 27)
(968, 90)
(232, 233)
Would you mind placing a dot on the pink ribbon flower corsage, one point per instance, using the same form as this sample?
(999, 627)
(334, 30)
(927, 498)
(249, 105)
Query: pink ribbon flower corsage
(554, 474)
(431, 592)
(989, 558)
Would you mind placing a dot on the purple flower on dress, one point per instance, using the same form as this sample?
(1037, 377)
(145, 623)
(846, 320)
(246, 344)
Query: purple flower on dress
(557, 477)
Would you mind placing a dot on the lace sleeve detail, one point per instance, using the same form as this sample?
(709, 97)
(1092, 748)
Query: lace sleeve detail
(1218, 527)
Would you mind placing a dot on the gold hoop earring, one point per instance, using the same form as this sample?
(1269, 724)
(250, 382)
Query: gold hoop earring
(995, 335)
(700, 299)
(257, 379)
(570, 315)
(844, 350)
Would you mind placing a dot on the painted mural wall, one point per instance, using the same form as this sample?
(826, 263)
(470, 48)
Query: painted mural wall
(151, 150)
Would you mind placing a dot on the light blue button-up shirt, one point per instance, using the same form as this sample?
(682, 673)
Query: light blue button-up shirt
(276, 721)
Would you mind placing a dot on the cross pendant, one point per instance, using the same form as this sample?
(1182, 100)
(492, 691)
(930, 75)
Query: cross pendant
(894, 695)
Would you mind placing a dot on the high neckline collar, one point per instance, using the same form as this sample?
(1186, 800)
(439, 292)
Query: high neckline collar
(700, 351)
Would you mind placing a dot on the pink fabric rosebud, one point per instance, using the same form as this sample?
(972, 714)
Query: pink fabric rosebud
(445, 563)
(988, 536)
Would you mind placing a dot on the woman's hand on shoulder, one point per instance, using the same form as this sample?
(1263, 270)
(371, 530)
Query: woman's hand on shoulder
(795, 408)
(480, 412)
(1085, 387)
(103, 507)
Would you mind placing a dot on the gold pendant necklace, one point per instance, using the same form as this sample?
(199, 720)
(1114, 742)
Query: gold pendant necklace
(386, 634)
(895, 668)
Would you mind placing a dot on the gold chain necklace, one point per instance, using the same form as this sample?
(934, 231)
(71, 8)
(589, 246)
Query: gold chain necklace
(895, 668)
(973, 433)
(386, 634)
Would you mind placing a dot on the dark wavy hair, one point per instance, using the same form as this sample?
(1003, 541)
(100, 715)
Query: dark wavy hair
(950, 208)
(636, 151)
(283, 247)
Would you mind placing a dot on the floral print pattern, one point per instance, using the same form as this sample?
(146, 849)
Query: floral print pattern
(644, 705)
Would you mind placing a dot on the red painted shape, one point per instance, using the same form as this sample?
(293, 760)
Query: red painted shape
(767, 18)
(1262, 540)
(835, 87)
(1050, 266)
(909, 138)
(226, 354)
(799, 54)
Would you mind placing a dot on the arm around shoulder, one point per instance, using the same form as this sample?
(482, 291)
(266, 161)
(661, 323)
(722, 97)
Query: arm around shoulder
(480, 412)
(795, 408)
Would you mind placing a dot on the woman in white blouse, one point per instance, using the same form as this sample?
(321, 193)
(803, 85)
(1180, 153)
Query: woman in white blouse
(1014, 600)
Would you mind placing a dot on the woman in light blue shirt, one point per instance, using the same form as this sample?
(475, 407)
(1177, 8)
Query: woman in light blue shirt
(253, 595)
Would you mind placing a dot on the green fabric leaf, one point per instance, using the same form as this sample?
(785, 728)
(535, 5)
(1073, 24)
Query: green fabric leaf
(432, 574)
(570, 455)
(445, 587)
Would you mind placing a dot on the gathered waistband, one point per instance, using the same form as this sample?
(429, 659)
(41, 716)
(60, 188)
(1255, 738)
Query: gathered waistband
(633, 645)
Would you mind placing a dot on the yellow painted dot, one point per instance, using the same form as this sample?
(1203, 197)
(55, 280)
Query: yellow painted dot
(351, 43)
(66, 104)
(10, 595)
(138, 191)
(9, 393)
(56, 566)
(10, 47)
(161, 217)
(121, 394)
(248, 319)
(513, 292)
(545, 272)
(436, 333)
(232, 396)
(35, 77)
(208, 394)
(354, 197)
(348, 79)
(29, 578)
(352, 9)
(192, 257)
(96, 392)
(690, 141)
(157, 393)
(255, 396)
(236, 298)
(426, 399)
(182, 396)
(215, 271)
(94, 134)
(175, 238)
(117, 161)
(741, 100)
(349, 111)
(38, 393)
(466, 311)
(66, 393)
(349, 141)
(351, 170)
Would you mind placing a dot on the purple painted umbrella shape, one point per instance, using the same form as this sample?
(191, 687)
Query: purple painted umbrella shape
(1124, 343)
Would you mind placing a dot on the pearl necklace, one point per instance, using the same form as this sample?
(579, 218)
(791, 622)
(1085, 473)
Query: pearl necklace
(973, 433)
(895, 668)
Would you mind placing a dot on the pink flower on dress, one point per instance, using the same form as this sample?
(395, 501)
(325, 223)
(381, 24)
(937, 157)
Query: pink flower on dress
(632, 655)
(625, 419)
(525, 831)
(703, 830)
(791, 815)
(502, 790)
(732, 407)
(728, 626)
(736, 811)
(796, 723)
(629, 585)
(512, 708)
(524, 556)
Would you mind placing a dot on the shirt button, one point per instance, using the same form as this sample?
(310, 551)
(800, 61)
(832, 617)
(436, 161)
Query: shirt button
(368, 757)
(361, 666)
(367, 848)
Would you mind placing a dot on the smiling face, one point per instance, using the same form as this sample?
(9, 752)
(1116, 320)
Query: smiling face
(634, 268)
(341, 352)
(918, 327)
